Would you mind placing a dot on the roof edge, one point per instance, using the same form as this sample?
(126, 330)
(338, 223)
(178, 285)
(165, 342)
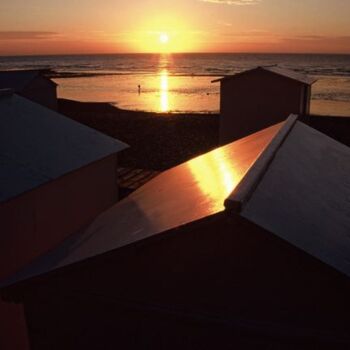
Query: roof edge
(6, 92)
(266, 68)
(243, 191)
(232, 76)
(44, 73)
(309, 81)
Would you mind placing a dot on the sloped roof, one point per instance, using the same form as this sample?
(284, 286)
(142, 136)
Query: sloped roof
(287, 73)
(187, 193)
(289, 179)
(18, 79)
(299, 190)
(38, 145)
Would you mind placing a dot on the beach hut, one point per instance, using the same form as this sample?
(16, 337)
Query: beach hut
(260, 97)
(56, 175)
(246, 245)
(32, 84)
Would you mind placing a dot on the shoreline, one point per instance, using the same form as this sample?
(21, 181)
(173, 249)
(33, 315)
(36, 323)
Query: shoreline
(219, 74)
(68, 75)
(184, 94)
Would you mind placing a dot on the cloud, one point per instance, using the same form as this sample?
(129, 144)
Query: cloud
(233, 2)
(336, 44)
(225, 24)
(319, 38)
(279, 43)
(26, 35)
(254, 33)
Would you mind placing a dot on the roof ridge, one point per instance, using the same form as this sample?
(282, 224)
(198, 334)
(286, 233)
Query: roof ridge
(255, 173)
(275, 69)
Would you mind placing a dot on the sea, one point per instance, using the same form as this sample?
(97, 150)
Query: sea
(182, 83)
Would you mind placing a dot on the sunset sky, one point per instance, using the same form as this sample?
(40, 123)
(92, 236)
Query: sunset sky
(108, 26)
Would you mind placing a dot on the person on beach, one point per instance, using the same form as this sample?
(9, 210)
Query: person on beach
(139, 89)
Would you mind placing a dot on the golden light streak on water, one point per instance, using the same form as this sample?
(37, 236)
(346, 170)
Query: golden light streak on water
(164, 90)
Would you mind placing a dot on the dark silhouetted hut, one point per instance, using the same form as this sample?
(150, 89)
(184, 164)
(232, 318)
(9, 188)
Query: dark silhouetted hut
(31, 84)
(172, 267)
(260, 97)
(56, 175)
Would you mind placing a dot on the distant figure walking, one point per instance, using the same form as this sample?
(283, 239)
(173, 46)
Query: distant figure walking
(139, 89)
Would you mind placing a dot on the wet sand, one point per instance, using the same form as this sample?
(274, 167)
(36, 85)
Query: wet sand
(158, 140)
(330, 108)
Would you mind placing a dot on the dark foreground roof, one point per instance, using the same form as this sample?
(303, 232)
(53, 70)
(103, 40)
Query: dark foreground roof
(187, 193)
(300, 191)
(19, 79)
(289, 179)
(287, 73)
(38, 145)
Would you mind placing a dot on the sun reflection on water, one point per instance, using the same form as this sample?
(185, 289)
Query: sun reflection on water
(164, 90)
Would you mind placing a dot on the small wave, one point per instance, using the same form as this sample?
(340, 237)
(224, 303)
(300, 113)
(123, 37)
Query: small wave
(217, 70)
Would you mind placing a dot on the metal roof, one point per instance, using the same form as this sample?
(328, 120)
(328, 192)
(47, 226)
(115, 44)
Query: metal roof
(38, 145)
(287, 73)
(187, 193)
(289, 179)
(19, 79)
(299, 190)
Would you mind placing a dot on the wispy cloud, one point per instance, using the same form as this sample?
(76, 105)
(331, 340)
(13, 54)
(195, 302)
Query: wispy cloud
(225, 24)
(260, 41)
(326, 43)
(234, 2)
(26, 35)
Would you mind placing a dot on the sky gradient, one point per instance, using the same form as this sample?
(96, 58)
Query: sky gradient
(121, 26)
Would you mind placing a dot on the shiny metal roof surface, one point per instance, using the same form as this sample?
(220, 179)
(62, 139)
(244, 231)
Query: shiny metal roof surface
(38, 145)
(184, 194)
(303, 196)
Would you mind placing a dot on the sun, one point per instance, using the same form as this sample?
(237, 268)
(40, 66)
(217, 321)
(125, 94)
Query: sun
(164, 38)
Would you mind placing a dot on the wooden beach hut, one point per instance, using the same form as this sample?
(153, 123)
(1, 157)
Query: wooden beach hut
(260, 97)
(31, 84)
(184, 263)
(56, 176)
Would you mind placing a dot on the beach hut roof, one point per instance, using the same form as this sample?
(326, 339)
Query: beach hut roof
(303, 176)
(289, 179)
(38, 145)
(19, 79)
(287, 73)
(189, 192)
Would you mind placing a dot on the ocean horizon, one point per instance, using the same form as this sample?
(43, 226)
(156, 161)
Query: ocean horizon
(182, 83)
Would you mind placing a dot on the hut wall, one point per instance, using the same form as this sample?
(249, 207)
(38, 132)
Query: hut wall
(43, 91)
(256, 100)
(38, 220)
(210, 284)
(13, 331)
